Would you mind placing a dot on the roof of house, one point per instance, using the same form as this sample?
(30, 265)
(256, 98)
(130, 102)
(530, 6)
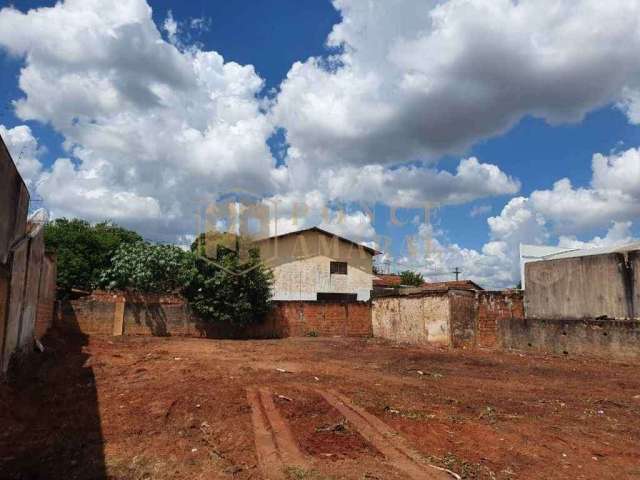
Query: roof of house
(372, 251)
(386, 280)
(394, 280)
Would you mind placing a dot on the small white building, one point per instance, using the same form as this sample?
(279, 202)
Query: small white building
(314, 264)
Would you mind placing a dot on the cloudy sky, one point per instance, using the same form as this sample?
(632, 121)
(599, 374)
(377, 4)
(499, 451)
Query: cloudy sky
(512, 121)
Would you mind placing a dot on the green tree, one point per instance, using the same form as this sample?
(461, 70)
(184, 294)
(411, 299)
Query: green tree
(230, 290)
(149, 268)
(83, 250)
(411, 278)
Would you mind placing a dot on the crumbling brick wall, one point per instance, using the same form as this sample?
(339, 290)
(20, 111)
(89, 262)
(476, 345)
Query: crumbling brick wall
(495, 307)
(455, 317)
(463, 318)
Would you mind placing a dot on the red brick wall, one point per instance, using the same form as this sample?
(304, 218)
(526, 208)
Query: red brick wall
(324, 319)
(494, 307)
(171, 315)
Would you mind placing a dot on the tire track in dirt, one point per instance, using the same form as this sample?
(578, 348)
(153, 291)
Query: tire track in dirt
(397, 451)
(275, 446)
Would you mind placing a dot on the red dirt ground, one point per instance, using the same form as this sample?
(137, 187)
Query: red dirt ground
(320, 429)
(142, 408)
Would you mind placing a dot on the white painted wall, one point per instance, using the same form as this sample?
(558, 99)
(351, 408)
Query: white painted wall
(301, 266)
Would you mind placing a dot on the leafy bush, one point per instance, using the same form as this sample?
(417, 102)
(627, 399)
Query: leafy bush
(411, 278)
(149, 268)
(83, 250)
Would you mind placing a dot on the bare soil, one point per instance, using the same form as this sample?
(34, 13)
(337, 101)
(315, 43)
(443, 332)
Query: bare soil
(143, 408)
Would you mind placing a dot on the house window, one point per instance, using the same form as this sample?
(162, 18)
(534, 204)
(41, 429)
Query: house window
(338, 268)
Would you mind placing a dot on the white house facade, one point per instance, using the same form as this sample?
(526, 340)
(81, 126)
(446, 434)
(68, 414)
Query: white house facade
(314, 264)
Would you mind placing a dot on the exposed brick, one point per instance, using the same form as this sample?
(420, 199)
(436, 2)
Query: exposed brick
(495, 307)
(171, 315)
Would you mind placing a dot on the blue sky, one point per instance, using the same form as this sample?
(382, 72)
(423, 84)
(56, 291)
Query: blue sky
(392, 112)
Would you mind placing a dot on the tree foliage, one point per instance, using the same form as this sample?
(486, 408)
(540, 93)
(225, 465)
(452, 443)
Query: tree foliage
(149, 268)
(227, 290)
(84, 251)
(230, 290)
(411, 278)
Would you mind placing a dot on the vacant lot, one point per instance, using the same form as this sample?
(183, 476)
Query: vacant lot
(137, 408)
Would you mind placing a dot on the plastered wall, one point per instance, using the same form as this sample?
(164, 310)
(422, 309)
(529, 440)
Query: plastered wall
(412, 319)
(584, 287)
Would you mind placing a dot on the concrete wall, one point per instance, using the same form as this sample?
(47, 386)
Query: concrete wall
(5, 280)
(413, 319)
(300, 264)
(14, 203)
(21, 265)
(31, 298)
(31, 291)
(583, 287)
(634, 264)
(171, 315)
(46, 296)
(617, 339)
(16, 302)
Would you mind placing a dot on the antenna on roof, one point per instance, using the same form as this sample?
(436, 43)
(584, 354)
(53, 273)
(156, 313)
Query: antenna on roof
(457, 272)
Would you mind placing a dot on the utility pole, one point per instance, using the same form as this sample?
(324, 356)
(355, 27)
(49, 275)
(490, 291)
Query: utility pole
(457, 271)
